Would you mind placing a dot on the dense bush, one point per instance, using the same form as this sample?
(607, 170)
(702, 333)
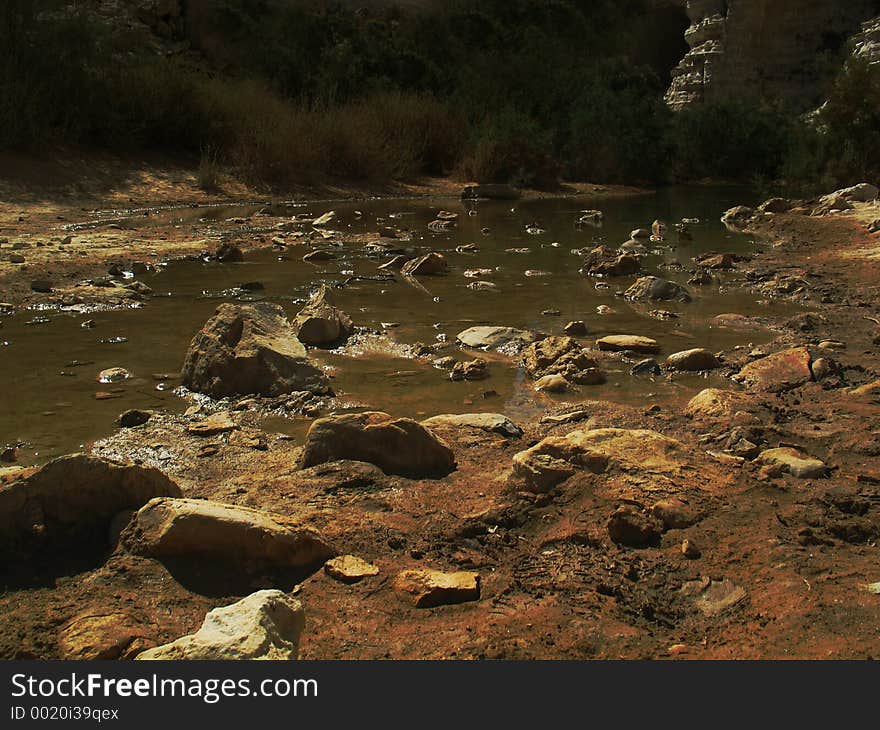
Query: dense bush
(502, 90)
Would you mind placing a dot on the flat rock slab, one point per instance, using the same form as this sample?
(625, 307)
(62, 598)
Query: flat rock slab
(557, 458)
(349, 569)
(778, 372)
(213, 425)
(429, 588)
(75, 497)
(193, 528)
(633, 343)
(100, 636)
(714, 597)
(492, 422)
(493, 338)
(792, 461)
(396, 445)
(265, 625)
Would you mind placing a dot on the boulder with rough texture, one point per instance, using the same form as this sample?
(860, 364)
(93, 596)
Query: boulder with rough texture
(491, 338)
(778, 372)
(602, 261)
(557, 458)
(249, 349)
(632, 527)
(396, 445)
(427, 588)
(492, 422)
(251, 539)
(265, 625)
(213, 425)
(794, 462)
(738, 217)
(74, 498)
(320, 322)
(692, 360)
(561, 356)
(653, 288)
(861, 193)
(716, 403)
(630, 343)
(552, 384)
(430, 264)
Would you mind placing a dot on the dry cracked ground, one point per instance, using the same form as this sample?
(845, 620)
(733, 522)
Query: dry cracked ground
(743, 524)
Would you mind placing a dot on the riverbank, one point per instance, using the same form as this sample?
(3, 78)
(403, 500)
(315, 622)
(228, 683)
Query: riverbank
(682, 532)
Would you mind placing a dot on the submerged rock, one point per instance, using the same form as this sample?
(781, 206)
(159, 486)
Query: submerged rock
(74, 498)
(654, 288)
(396, 445)
(168, 529)
(249, 349)
(320, 322)
(228, 253)
(430, 264)
(265, 625)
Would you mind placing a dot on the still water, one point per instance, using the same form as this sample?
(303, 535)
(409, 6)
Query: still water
(49, 404)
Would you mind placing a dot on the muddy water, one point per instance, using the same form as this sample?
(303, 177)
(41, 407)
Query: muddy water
(50, 367)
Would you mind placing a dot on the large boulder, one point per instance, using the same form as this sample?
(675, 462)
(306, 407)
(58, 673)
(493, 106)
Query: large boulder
(73, 499)
(396, 445)
(778, 372)
(653, 288)
(265, 625)
(556, 458)
(861, 193)
(170, 529)
(716, 403)
(249, 349)
(320, 322)
(561, 356)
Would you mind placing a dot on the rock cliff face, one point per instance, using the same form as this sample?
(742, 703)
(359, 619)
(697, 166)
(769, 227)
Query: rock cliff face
(766, 48)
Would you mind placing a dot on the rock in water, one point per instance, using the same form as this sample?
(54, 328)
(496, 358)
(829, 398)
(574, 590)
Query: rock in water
(396, 445)
(654, 288)
(249, 349)
(265, 625)
(693, 360)
(320, 322)
(253, 540)
(631, 343)
(429, 588)
(561, 356)
(428, 265)
(74, 498)
(486, 338)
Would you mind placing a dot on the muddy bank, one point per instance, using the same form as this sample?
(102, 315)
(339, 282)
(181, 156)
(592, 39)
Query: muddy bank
(741, 523)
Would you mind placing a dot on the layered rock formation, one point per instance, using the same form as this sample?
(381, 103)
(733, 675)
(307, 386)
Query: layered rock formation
(765, 48)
